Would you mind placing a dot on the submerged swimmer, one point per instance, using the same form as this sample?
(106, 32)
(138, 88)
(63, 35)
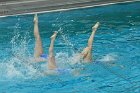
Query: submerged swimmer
(86, 54)
(38, 50)
(39, 56)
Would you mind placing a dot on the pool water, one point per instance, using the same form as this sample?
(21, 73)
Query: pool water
(116, 51)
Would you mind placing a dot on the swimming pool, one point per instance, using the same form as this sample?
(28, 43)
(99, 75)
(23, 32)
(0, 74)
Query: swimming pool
(115, 69)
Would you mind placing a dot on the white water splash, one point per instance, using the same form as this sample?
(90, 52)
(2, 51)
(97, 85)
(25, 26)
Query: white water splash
(12, 72)
(108, 58)
(18, 65)
(75, 58)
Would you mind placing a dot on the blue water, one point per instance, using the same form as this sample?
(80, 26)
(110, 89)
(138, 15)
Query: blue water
(116, 52)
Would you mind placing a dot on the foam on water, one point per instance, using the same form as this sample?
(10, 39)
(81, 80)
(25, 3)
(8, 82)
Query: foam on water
(108, 58)
(116, 41)
(19, 65)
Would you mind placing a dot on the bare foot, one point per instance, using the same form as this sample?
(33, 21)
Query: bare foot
(35, 18)
(96, 26)
(54, 35)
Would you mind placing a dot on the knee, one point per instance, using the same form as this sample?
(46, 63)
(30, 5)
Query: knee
(51, 56)
(89, 47)
(50, 50)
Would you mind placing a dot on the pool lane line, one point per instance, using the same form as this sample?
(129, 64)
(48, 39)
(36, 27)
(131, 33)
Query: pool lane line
(80, 7)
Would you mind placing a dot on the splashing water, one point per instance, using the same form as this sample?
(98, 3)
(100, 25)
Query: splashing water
(114, 38)
(108, 58)
(18, 65)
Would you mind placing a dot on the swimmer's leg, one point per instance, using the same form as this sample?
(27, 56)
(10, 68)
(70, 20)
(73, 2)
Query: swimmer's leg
(87, 52)
(51, 60)
(38, 50)
(91, 38)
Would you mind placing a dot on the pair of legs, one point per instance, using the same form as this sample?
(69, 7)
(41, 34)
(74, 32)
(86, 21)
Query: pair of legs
(87, 52)
(38, 51)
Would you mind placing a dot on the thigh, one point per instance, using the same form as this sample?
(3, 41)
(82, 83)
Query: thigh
(51, 59)
(51, 62)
